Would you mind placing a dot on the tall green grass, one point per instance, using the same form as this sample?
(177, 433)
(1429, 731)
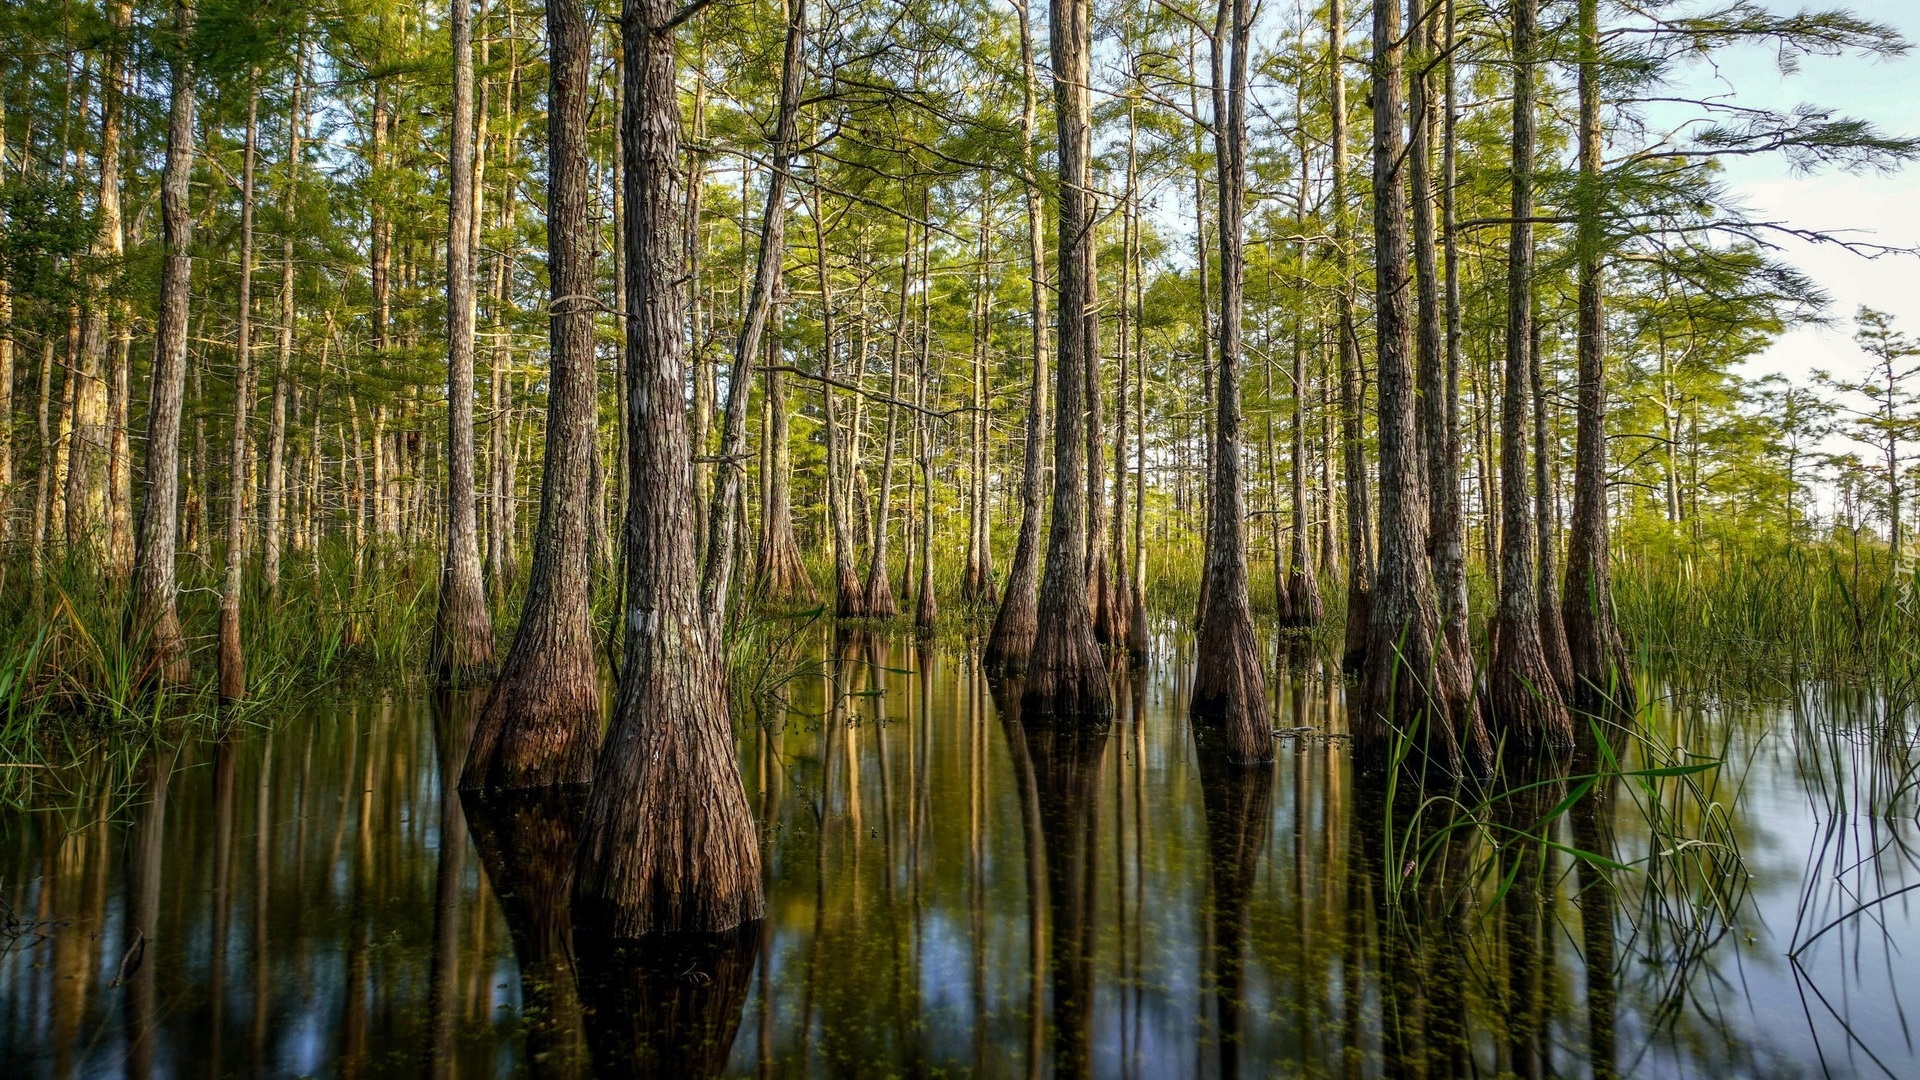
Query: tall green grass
(69, 661)
(1778, 612)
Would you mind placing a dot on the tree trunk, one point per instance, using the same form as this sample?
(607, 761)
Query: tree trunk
(1229, 683)
(849, 599)
(89, 452)
(1523, 698)
(926, 607)
(723, 527)
(669, 844)
(976, 584)
(1299, 590)
(1360, 562)
(540, 725)
(880, 603)
(780, 575)
(1066, 674)
(1434, 420)
(1593, 638)
(1449, 526)
(463, 649)
(232, 654)
(1407, 685)
(1546, 513)
(271, 529)
(7, 353)
(1010, 642)
(153, 609)
(1122, 600)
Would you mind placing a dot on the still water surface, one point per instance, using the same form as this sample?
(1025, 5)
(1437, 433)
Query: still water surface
(951, 892)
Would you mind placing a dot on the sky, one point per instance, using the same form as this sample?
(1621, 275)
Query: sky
(1882, 209)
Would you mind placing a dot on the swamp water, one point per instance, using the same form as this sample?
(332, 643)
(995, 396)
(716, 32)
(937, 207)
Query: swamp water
(953, 893)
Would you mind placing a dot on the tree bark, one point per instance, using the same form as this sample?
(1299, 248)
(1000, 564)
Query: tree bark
(1435, 419)
(1298, 593)
(1360, 562)
(1121, 611)
(1449, 525)
(8, 348)
(1066, 674)
(849, 599)
(1010, 642)
(976, 583)
(270, 540)
(1407, 688)
(1523, 698)
(232, 653)
(463, 648)
(153, 609)
(1229, 682)
(1601, 677)
(880, 603)
(540, 725)
(1546, 514)
(780, 575)
(723, 527)
(669, 844)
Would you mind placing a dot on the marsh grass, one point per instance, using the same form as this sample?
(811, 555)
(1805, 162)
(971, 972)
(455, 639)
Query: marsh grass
(1637, 812)
(1775, 614)
(72, 668)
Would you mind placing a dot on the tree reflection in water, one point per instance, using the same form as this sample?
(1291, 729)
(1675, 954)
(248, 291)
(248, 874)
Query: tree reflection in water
(953, 891)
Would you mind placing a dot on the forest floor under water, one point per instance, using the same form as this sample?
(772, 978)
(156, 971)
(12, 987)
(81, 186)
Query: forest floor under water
(1729, 893)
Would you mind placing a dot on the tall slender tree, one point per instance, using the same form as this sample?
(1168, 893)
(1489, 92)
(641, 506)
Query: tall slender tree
(669, 844)
(723, 519)
(1229, 684)
(540, 725)
(463, 647)
(1523, 694)
(232, 652)
(1593, 637)
(1066, 673)
(154, 610)
(1359, 540)
(1405, 682)
(1011, 640)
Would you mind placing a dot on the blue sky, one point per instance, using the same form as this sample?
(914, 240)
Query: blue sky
(1884, 209)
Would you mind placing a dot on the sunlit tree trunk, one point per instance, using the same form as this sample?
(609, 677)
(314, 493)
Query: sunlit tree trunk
(849, 599)
(1435, 419)
(1297, 594)
(463, 649)
(976, 583)
(276, 494)
(153, 609)
(1066, 673)
(1449, 523)
(1593, 637)
(880, 602)
(232, 654)
(8, 348)
(779, 572)
(669, 844)
(723, 522)
(1407, 682)
(89, 449)
(540, 726)
(1546, 519)
(1524, 698)
(1359, 543)
(1229, 682)
(1010, 643)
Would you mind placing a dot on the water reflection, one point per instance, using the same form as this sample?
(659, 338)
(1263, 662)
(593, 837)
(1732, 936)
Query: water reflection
(952, 891)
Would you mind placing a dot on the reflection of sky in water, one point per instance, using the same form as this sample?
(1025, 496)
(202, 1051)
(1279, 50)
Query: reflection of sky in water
(901, 845)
